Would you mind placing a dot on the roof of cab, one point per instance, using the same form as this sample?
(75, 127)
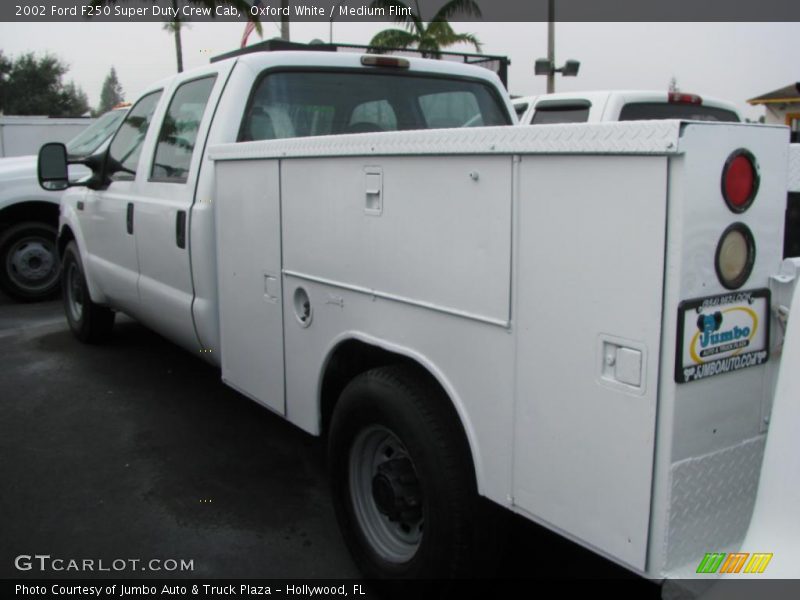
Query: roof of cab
(299, 58)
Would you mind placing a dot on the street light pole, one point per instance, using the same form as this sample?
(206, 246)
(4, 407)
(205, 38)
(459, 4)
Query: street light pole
(547, 66)
(333, 16)
(551, 46)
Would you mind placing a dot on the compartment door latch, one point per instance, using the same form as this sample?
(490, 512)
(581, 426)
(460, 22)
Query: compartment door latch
(373, 187)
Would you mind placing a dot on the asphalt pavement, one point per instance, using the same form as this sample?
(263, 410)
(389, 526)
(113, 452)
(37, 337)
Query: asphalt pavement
(136, 450)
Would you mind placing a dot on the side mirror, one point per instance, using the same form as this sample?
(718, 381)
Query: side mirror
(53, 170)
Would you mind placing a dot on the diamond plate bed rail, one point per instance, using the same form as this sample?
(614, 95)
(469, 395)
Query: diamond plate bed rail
(643, 137)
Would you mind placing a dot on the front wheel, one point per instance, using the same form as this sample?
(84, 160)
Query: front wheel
(90, 322)
(402, 478)
(28, 261)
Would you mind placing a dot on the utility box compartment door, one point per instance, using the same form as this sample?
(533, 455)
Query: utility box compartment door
(249, 276)
(588, 314)
(433, 231)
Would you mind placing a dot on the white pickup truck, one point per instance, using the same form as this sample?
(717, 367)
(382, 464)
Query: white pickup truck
(622, 105)
(573, 321)
(29, 216)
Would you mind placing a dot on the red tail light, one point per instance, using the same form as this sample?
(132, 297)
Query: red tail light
(740, 180)
(679, 98)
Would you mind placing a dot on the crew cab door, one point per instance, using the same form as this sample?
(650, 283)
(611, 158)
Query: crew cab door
(164, 203)
(107, 217)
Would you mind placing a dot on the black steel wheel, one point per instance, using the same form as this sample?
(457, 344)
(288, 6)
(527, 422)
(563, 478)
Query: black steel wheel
(402, 477)
(90, 322)
(29, 261)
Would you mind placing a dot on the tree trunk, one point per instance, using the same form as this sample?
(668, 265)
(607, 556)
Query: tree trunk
(178, 49)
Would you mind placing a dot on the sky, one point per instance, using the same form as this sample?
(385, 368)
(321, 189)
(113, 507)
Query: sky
(731, 61)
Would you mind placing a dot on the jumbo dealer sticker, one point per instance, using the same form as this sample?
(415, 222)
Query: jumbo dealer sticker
(720, 334)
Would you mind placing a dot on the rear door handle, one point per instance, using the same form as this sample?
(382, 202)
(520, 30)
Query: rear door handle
(129, 218)
(180, 229)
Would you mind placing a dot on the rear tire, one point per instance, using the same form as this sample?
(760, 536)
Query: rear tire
(90, 322)
(29, 261)
(402, 478)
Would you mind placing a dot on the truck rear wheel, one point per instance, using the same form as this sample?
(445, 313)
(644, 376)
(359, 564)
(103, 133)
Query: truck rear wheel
(90, 322)
(28, 261)
(401, 476)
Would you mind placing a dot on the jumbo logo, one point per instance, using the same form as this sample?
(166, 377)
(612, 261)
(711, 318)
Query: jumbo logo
(722, 334)
(729, 331)
(720, 562)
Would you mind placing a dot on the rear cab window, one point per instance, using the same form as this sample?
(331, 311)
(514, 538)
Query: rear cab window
(561, 111)
(287, 104)
(639, 111)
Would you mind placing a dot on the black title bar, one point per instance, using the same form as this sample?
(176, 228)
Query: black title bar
(362, 10)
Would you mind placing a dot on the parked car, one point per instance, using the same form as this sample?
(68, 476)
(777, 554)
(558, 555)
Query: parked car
(623, 105)
(29, 215)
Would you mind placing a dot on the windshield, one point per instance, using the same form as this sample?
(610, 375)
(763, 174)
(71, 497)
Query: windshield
(91, 138)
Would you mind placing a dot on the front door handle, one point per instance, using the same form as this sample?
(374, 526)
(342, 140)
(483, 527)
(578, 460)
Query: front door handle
(129, 218)
(180, 229)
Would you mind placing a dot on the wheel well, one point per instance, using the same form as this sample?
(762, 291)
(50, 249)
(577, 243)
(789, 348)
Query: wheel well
(65, 236)
(353, 357)
(45, 212)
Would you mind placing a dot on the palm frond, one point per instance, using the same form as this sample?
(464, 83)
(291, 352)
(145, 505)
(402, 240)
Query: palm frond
(454, 8)
(412, 21)
(443, 33)
(465, 38)
(393, 38)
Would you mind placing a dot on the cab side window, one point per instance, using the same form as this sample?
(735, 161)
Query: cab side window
(178, 135)
(125, 148)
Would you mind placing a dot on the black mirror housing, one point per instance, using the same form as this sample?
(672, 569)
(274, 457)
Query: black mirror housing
(53, 167)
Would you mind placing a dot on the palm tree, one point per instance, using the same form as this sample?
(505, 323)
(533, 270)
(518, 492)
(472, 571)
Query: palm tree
(177, 23)
(428, 38)
(174, 27)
